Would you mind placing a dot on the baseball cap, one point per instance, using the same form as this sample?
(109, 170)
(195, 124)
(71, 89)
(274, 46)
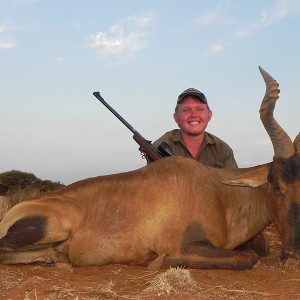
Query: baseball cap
(192, 92)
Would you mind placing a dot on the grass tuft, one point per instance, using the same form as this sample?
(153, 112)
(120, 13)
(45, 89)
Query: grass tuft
(173, 281)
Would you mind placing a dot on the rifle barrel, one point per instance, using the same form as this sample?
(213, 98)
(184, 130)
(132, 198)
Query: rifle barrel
(99, 97)
(146, 145)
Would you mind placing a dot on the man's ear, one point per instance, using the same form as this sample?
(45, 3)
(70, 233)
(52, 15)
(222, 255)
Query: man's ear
(210, 115)
(175, 116)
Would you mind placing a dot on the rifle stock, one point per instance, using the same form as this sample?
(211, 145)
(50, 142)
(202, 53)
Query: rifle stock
(146, 147)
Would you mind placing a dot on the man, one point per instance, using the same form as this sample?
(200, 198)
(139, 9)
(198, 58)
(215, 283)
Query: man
(192, 115)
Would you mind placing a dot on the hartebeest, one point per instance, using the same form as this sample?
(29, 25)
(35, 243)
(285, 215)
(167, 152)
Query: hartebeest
(175, 211)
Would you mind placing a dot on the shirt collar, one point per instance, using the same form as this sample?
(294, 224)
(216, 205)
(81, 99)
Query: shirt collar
(207, 138)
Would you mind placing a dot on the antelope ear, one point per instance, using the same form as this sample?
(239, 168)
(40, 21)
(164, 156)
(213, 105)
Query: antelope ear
(297, 143)
(253, 178)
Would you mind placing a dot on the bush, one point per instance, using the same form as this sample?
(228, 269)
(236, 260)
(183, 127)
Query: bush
(18, 186)
(15, 178)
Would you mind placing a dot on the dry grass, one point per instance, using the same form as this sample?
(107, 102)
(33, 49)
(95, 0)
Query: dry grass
(269, 279)
(31, 295)
(10, 200)
(4, 206)
(173, 281)
(10, 279)
(67, 292)
(19, 194)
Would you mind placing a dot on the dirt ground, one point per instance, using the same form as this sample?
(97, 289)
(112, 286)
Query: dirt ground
(269, 279)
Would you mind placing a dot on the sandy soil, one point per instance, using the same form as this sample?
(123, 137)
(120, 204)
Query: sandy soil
(269, 279)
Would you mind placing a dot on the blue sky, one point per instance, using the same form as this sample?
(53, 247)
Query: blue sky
(140, 55)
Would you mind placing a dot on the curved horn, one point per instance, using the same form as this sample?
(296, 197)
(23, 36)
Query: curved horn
(297, 143)
(282, 144)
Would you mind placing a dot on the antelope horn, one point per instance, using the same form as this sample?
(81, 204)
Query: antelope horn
(282, 144)
(297, 143)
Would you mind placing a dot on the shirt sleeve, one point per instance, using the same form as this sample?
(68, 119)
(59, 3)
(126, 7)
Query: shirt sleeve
(230, 162)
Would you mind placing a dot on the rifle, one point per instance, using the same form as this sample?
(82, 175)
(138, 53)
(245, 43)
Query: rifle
(146, 148)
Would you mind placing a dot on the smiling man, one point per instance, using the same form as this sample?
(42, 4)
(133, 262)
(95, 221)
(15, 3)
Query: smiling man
(192, 115)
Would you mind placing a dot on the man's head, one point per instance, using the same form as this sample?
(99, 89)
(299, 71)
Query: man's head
(192, 112)
(196, 94)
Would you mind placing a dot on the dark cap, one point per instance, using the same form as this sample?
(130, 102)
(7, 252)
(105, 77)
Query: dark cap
(192, 92)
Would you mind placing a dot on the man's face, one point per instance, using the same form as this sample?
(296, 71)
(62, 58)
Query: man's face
(192, 116)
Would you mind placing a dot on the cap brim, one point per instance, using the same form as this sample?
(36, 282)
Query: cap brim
(195, 94)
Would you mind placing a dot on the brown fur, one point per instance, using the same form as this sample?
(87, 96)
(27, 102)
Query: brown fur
(172, 212)
(167, 207)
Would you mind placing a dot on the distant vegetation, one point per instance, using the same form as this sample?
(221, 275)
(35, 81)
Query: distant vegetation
(16, 186)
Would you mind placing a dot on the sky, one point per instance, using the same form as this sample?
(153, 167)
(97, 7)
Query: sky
(140, 55)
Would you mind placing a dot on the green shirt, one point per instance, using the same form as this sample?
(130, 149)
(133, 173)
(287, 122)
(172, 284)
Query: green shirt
(213, 151)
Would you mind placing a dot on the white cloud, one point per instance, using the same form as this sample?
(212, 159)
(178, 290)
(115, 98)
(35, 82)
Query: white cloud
(4, 28)
(279, 11)
(208, 19)
(5, 41)
(216, 48)
(282, 9)
(7, 44)
(215, 16)
(122, 40)
(140, 21)
(59, 60)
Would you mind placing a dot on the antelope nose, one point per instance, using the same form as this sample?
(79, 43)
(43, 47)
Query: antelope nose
(290, 251)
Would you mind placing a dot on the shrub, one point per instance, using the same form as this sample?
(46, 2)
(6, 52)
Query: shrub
(15, 177)
(18, 186)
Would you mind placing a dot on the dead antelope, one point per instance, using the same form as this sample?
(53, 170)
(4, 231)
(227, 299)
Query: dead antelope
(173, 212)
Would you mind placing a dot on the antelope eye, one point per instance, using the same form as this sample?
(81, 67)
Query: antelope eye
(277, 190)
